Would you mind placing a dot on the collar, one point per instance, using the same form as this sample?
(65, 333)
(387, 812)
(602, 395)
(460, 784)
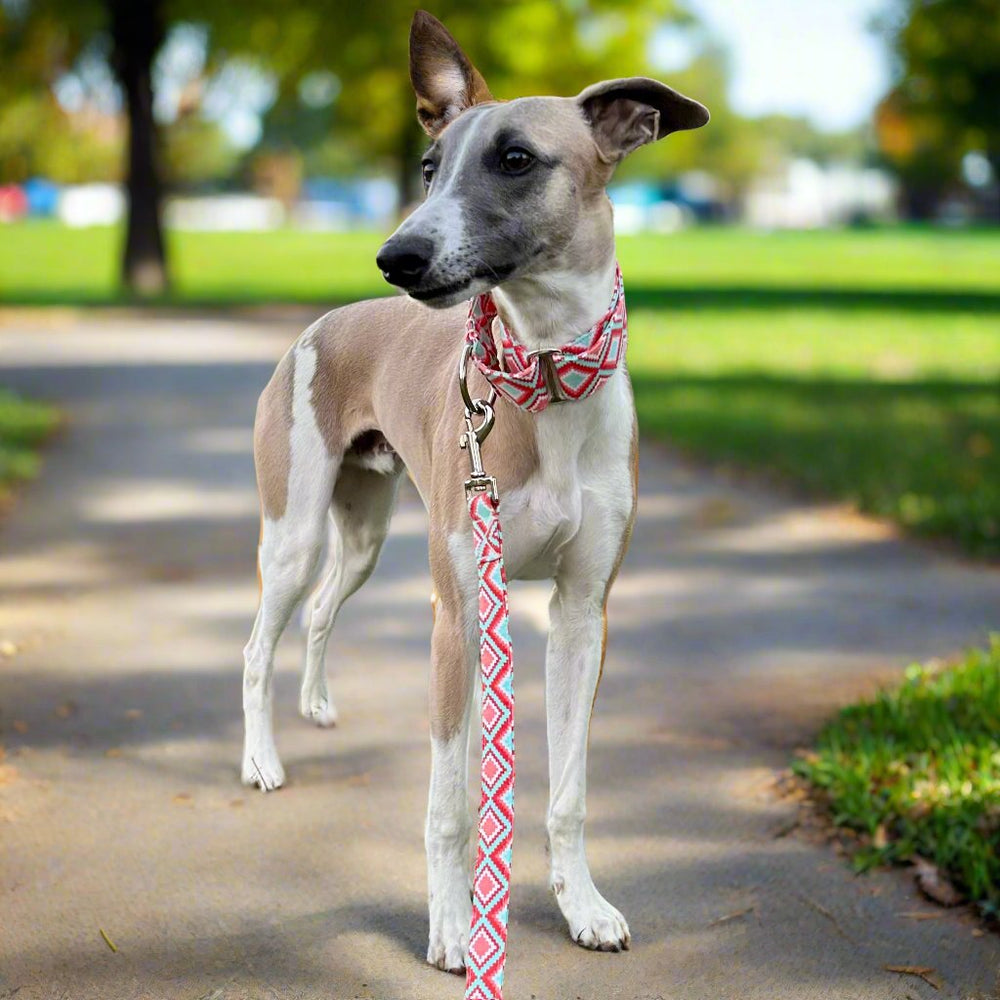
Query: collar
(534, 379)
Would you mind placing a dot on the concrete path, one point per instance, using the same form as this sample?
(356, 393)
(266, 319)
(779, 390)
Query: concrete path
(127, 584)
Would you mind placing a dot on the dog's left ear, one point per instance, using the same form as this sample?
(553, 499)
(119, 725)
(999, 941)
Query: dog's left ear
(626, 114)
(445, 81)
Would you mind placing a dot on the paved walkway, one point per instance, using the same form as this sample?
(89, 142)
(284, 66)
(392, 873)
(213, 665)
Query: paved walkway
(127, 582)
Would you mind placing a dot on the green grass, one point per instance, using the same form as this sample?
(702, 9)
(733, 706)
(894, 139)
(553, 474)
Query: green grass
(24, 426)
(42, 262)
(862, 366)
(897, 413)
(918, 767)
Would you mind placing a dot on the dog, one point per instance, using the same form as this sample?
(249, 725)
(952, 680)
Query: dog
(515, 205)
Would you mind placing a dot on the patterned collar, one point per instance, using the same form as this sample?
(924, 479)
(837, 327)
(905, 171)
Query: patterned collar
(534, 379)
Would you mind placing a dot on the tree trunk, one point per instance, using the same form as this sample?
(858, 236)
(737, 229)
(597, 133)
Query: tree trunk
(994, 198)
(137, 31)
(920, 201)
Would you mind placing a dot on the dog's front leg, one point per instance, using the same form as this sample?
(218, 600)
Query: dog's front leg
(453, 665)
(572, 670)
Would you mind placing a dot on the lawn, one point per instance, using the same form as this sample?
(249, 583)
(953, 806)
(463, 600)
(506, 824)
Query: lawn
(858, 365)
(916, 772)
(24, 426)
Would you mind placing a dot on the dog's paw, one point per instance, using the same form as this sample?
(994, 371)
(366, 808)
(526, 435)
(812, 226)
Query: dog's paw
(319, 710)
(594, 923)
(449, 957)
(262, 768)
(448, 947)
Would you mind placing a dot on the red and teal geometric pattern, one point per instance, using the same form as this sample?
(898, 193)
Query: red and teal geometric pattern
(579, 368)
(491, 883)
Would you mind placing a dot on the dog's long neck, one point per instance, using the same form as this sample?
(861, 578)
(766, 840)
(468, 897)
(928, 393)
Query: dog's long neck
(555, 306)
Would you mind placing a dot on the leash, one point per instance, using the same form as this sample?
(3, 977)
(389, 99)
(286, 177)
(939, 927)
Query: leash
(532, 380)
(491, 882)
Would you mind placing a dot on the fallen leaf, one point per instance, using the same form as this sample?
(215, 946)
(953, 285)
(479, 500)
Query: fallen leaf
(8, 774)
(978, 932)
(113, 752)
(924, 972)
(731, 916)
(784, 829)
(19, 726)
(236, 804)
(360, 780)
(66, 709)
(183, 798)
(172, 574)
(933, 884)
(133, 713)
(881, 839)
(716, 512)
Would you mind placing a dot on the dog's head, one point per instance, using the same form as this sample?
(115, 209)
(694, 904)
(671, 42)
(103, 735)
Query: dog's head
(518, 184)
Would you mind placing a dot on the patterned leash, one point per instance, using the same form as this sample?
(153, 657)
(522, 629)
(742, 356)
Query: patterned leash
(491, 883)
(532, 380)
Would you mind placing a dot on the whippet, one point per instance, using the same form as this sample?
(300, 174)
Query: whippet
(515, 205)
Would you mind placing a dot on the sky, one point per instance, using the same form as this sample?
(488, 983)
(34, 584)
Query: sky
(816, 58)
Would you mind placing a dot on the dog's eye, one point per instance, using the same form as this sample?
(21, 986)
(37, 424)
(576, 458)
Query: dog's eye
(515, 161)
(428, 171)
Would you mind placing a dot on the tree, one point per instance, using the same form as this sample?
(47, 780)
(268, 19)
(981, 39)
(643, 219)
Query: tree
(137, 32)
(40, 40)
(946, 101)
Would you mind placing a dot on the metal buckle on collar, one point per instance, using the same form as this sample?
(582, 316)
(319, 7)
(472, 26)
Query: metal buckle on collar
(475, 435)
(549, 371)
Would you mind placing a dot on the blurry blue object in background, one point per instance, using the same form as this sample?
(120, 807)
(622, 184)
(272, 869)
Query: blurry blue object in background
(329, 203)
(42, 195)
(647, 206)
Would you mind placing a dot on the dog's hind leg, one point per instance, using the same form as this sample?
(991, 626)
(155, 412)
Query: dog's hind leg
(295, 476)
(289, 550)
(363, 502)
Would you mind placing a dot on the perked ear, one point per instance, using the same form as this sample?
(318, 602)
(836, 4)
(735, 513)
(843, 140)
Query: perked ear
(626, 114)
(445, 81)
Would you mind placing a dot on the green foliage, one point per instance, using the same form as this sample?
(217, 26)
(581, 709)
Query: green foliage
(945, 102)
(950, 52)
(522, 47)
(196, 151)
(37, 138)
(921, 764)
(24, 425)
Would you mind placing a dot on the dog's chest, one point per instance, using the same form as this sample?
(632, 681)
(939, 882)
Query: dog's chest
(584, 472)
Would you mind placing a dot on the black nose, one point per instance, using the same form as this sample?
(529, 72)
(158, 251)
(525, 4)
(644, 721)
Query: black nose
(404, 260)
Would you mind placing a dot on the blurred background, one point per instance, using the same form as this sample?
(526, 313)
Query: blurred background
(813, 276)
(209, 117)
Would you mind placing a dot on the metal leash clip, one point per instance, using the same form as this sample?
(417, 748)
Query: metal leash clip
(475, 435)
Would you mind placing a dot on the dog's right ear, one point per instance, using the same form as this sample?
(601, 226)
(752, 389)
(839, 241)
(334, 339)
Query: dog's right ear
(445, 81)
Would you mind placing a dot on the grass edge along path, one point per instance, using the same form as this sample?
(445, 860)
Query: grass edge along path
(914, 772)
(25, 426)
